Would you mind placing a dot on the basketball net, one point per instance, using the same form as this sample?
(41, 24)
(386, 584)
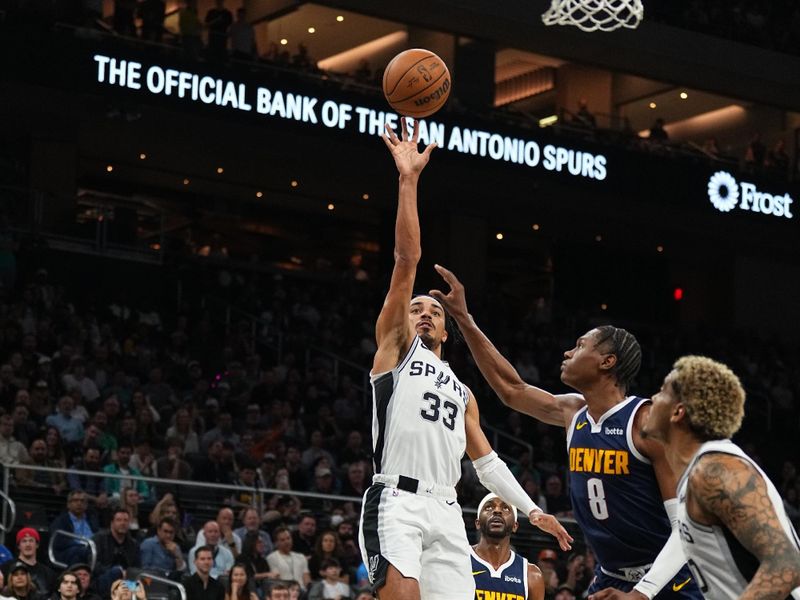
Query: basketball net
(593, 15)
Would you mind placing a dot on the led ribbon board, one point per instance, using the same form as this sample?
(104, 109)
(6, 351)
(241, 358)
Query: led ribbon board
(186, 86)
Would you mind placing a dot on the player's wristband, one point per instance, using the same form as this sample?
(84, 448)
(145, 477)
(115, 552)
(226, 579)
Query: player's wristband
(498, 479)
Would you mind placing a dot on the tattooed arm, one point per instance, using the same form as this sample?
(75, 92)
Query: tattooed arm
(727, 490)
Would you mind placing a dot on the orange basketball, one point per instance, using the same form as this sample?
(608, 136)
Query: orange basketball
(416, 83)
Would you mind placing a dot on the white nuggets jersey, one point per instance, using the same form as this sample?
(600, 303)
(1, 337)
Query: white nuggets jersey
(719, 562)
(418, 419)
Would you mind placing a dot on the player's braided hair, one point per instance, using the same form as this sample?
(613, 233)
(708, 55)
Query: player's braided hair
(625, 347)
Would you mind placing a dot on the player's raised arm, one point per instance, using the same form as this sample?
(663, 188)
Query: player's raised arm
(393, 332)
(501, 375)
(496, 477)
(731, 491)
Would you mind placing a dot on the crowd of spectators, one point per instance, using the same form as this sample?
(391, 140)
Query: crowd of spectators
(755, 160)
(95, 392)
(220, 34)
(108, 389)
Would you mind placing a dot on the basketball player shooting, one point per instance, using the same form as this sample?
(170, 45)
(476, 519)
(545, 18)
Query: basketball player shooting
(734, 528)
(412, 531)
(621, 486)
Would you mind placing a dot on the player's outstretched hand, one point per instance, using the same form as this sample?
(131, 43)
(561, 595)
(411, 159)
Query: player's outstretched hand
(612, 594)
(455, 302)
(551, 525)
(408, 159)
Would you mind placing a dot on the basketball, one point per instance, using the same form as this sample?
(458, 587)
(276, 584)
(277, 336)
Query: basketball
(416, 83)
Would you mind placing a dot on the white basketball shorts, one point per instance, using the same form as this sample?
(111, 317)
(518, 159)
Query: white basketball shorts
(422, 536)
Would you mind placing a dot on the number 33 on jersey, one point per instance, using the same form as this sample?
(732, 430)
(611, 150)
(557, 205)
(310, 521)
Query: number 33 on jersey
(420, 400)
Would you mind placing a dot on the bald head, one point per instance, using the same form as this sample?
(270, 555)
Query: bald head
(225, 518)
(211, 532)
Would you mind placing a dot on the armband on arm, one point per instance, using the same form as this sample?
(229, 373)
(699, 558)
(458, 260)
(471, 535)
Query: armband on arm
(669, 561)
(498, 479)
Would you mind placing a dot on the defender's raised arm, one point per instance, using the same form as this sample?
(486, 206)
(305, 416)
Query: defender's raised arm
(501, 375)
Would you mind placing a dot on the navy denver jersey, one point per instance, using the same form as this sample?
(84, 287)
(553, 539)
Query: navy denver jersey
(509, 582)
(615, 496)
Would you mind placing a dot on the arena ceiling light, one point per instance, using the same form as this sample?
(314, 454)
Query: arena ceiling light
(348, 60)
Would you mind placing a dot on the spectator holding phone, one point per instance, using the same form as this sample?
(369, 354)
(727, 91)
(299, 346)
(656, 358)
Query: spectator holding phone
(125, 589)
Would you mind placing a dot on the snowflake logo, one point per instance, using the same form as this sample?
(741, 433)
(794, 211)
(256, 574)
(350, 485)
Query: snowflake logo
(723, 191)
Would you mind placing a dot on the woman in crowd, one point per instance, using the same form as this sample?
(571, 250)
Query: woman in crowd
(55, 448)
(130, 499)
(147, 429)
(139, 401)
(252, 557)
(327, 546)
(20, 586)
(239, 585)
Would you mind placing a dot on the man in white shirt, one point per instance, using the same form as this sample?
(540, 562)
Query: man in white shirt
(223, 559)
(292, 566)
(11, 451)
(227, 537)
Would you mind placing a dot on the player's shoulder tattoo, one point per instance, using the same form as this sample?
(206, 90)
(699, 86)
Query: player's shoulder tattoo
(719, 482)
(734, 491)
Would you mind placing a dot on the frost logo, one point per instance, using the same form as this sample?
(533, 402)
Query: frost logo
(725, 193)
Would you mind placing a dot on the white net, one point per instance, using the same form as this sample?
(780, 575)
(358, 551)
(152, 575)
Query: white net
(594, 15)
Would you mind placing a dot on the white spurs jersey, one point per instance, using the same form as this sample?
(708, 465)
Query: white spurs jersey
(418, 419)
(721, 566)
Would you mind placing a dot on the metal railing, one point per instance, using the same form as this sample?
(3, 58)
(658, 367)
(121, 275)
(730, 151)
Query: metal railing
(9, 507)
(164, 482)
(84, 541)
(528, 539)
(145, 574)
